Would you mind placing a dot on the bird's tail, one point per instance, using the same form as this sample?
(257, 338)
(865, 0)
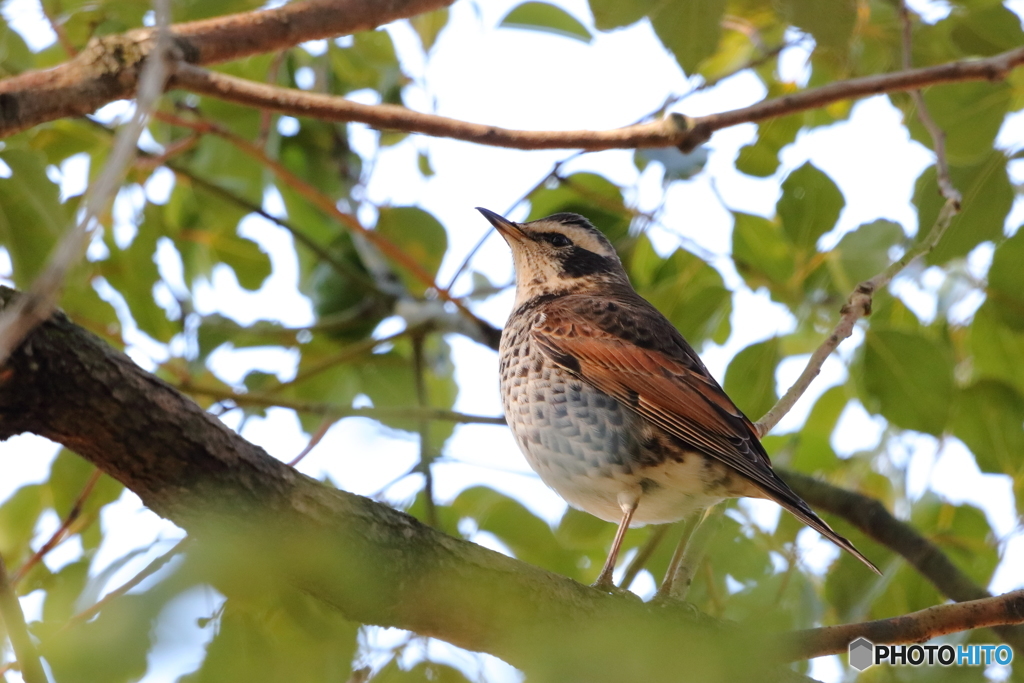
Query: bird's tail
(788, 499)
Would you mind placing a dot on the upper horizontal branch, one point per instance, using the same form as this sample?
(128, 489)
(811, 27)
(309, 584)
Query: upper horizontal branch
(675, 130)
(108, 68)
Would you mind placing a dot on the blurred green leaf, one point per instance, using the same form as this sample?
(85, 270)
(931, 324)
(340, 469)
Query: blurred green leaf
(763, 255)
(809, 206)
(813, 452)
(987, 197)
(419, 235)
(997, 351)
(863, 253)
(429, 25)
(18, 517)
(293, 639)
(830, 23)
(909, 379)
(1005, 289)
(541, 16)
(985, 30)
(611, 14)
(750, 378)
(689, 28)
(69, 474)
(990, 420)
(689, 292)
(31, 215)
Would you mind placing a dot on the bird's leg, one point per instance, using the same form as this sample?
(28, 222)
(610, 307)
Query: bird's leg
(628, 505)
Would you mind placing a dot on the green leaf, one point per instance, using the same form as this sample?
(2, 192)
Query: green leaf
(750, 378)
(813, 452)
(31, 215)
(909, 378)
(69, 474)
(371, 62)
(110, 648)
(133, 273)
(295, 639)
(863, 253)
(997, 351)
(1006, 282)
(540, 16)
(689, 292)
(689, 28)
(611, 14)
(418, 234)
(250, 263)
(830, 23)
(809, 206)
(18, 517)
(970, 114)
(429, 25)
(763, 255)
(989, 419)
(987, 30)
(987, 198)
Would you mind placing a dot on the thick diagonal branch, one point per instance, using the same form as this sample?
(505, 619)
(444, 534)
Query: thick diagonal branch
(275, 527)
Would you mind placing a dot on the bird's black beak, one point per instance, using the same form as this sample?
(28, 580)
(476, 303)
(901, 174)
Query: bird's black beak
(507, 229)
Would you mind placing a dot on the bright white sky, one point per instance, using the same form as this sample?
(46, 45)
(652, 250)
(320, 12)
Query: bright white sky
(521, 79)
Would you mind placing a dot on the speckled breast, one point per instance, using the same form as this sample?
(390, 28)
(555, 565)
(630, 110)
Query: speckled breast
(589, 448)
(582, 442)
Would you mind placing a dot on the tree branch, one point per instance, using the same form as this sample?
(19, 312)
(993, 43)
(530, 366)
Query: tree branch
(108, 68)
(915, 627)
(871, 517)
(262, 524)
(675, 130)
(857, 307)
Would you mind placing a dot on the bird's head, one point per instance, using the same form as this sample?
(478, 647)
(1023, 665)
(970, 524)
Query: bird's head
(560, 254)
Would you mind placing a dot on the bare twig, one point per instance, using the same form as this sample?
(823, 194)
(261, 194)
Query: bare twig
(859, 303)
(915, 627)
(38, 303)
(328, 206)
(675, 130)
(58, 29)
(336, 411)
(871, 517)
(314, 440)
(152, 568)
(60, 534)
(937, 134)
(857, 306)
(644, 555)
(17, 630)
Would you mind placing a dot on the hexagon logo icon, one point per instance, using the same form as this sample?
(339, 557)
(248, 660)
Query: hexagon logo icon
(862, 654)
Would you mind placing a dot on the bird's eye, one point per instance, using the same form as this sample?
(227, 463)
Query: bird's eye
(557, 239)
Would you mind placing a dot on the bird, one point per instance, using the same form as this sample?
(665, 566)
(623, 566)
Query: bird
(609, 404)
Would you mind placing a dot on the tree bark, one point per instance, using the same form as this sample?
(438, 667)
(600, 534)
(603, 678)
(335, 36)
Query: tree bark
(270, 526)
(108, 68)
